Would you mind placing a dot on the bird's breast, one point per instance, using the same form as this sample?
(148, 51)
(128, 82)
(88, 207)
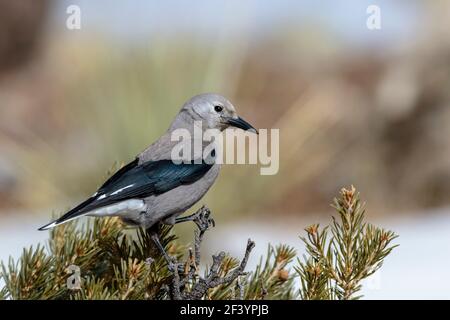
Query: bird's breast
(178, 200)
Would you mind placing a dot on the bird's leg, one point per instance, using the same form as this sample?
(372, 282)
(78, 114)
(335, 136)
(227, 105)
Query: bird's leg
(155, 238)
(171, 263)
(202, 218)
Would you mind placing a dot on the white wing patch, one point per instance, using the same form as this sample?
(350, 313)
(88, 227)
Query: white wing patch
(125, 208)
(121, 189)
(103, 196)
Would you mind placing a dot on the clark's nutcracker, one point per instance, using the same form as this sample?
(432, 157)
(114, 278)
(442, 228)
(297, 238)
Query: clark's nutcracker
(153, 188)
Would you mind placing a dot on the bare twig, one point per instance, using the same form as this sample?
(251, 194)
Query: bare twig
(176, 292)
(200, 286)
(213, 279)
(239, 289)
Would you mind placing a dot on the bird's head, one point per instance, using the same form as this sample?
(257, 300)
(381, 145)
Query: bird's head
(215, 112)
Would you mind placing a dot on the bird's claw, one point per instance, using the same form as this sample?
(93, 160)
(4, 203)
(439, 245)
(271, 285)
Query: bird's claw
(173, 266)
(203, 219)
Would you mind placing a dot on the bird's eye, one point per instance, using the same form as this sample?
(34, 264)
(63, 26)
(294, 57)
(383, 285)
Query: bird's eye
(218, 108)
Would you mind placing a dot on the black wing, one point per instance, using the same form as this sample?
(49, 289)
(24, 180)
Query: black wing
(150, 178)
(138, 181)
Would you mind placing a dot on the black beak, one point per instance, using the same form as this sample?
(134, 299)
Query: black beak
(242, 124)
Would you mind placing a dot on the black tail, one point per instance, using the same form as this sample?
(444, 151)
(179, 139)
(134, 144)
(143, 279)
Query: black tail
(79, 210)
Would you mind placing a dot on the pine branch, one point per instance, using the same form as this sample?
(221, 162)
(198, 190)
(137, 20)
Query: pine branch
(337, 263)
(271, 279)
(115, 262)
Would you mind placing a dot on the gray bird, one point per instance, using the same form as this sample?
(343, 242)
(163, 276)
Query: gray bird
(153, 188)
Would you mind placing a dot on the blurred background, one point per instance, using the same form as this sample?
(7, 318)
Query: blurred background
(354, 106)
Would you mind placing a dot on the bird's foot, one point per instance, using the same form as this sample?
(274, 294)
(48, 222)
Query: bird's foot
(202, 218)
(175, 267)
(172, 264)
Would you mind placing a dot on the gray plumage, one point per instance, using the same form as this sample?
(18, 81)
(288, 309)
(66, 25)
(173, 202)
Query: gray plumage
(152, 188)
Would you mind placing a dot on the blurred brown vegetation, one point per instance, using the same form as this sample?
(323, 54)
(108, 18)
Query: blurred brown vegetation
(21, 31)
(21, 25)
(376, 119)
